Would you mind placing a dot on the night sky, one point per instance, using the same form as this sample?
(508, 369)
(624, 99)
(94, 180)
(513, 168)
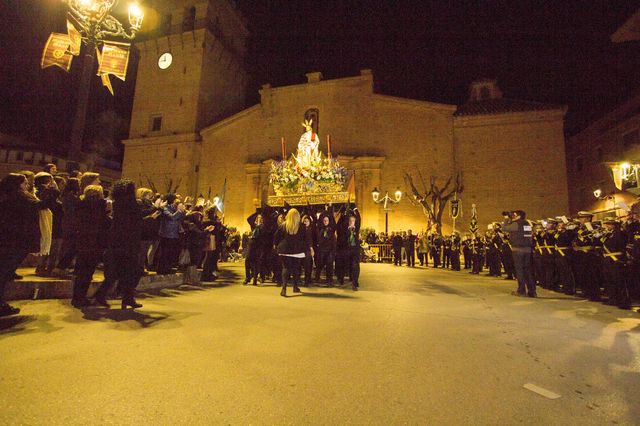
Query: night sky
(549, 51)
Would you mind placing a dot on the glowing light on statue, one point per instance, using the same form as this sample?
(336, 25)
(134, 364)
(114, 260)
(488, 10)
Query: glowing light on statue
(308, 146)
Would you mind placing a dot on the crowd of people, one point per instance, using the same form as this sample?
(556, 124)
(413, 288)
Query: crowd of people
(596, 259)
(74, 225)
(286, 242)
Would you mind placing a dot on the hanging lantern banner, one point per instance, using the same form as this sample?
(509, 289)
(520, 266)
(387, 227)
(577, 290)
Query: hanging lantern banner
(75, 39)
(55, 53)
(115, 59)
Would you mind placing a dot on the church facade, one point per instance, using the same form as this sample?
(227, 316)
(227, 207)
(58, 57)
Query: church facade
(511, 153)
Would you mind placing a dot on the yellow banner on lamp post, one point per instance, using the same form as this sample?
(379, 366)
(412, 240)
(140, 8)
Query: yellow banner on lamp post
(56, 52)
(114, 59)
(75, 39)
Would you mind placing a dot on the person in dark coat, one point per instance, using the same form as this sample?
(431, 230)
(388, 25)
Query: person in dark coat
(307, 263)
(93, 232)
(326, 243)
(150, 228)
(19, 230)
(292, 244)
(70, 200)
(195, 241)
(410, 248)
(124, 239)
(254, 249)
(349, 247)
(216, 233)
(397, 241)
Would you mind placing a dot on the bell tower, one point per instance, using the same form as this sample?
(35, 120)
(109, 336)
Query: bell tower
(191, 73)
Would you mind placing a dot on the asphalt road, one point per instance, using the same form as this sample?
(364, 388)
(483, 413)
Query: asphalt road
(414, 346)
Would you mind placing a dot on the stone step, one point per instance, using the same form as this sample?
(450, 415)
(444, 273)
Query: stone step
(34, 287)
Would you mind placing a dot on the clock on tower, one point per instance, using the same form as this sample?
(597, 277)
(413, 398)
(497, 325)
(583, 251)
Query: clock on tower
(190, 75)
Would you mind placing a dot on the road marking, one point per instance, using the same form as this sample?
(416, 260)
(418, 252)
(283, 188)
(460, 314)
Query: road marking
(541, 391)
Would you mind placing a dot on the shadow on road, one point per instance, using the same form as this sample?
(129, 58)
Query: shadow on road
(329, 296)
(21, 324)
(144, 319)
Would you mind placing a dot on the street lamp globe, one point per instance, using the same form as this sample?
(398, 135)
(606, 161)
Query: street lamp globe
(135, 16)
(375, 194)
(398, 194)
(597, 193)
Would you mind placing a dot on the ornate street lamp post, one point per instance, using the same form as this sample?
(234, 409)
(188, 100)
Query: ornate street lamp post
(95, 24)
(385, 204)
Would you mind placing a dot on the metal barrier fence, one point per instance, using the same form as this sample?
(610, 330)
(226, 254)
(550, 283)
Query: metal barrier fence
(383, 252)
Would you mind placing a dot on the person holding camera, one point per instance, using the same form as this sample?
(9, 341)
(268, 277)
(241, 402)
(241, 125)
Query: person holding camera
(520, 235)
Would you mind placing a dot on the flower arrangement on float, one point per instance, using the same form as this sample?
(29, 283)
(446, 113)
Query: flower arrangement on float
(320, 175)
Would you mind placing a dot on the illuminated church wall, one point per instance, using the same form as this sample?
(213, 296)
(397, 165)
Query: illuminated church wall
(379, 137)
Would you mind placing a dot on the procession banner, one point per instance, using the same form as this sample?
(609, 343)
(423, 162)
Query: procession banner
(455, 209)
(55, 53)
(114, 59)
(75, 39)
(473, 225)
(106, 82)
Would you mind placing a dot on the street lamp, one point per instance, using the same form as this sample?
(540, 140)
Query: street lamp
(385, 204)
(94, 22)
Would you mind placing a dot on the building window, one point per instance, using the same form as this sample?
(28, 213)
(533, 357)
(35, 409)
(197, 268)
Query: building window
(165, 25)
(579, 164)
(629, 139)
(175, 153)
(156, 123)
(189, 21)
(313, 114)
(20, 156)
(599, 153)
(485, 93)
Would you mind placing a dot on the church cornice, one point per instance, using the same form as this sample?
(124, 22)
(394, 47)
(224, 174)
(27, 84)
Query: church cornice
(509, 118)
(159, 140)
(415, 102)
(212, 128)
(302, 86)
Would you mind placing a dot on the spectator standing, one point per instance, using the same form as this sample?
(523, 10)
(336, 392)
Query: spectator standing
(292, 244)
(520, 234)
(93, 232)
(19, 230)
(169, 232)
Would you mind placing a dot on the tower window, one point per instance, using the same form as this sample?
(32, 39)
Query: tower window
(485, 93)
(156, 123)
(189, 22)
(165, 25)
(629, 139)
(175, 153)
(599, 153)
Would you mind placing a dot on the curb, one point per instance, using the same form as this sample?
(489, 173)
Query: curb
(63, 289)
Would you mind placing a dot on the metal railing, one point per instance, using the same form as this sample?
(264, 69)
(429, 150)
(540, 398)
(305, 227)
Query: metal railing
(383, 252)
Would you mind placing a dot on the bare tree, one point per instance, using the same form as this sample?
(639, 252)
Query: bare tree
(433, 199)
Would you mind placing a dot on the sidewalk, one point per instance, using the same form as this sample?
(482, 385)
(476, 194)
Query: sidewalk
(34, 287)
